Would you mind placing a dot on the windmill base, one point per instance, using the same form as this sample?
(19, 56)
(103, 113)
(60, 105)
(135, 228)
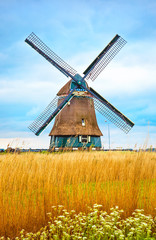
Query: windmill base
(75, 142)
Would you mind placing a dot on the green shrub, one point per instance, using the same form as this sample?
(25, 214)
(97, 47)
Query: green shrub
(96, 224)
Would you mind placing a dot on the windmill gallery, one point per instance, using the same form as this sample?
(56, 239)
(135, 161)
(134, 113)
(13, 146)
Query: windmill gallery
(73, 108)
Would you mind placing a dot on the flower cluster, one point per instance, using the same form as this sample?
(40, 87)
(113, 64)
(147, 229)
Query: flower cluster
(96, 224)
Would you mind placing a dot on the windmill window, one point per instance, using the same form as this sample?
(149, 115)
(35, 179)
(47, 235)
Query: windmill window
(84, 139)
(80, 138)
(83, 122)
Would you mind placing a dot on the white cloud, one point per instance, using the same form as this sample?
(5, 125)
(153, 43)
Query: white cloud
(37, 87)
(119, 79)
(33, 111)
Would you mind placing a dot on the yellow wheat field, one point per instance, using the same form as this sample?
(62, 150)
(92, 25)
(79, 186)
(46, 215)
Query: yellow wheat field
(30, 183)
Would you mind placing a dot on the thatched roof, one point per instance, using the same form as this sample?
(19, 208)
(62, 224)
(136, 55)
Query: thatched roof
(65, 89)
(69, 120)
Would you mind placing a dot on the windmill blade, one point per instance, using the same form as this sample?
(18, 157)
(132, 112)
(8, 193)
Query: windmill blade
(110, 112)
(40, 120)
(102, 60)
(49, 55)
(49, 113)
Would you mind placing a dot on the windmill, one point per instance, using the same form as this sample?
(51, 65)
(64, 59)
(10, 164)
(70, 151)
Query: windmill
(74, 106)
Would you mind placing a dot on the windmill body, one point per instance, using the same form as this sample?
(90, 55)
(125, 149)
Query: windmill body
(76, 125)
(74, 105)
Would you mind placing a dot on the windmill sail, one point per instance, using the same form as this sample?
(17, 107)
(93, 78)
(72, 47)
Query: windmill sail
(49, 55)
(110, 112)
(48, 114)
(35, 126)
(118, 119)
(102, 60)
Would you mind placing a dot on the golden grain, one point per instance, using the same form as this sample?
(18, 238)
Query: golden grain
(30, 183)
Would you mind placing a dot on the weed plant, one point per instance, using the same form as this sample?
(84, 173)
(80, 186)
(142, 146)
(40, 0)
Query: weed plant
(95, 225)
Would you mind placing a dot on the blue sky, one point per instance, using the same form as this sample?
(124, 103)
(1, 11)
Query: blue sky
(77, 31)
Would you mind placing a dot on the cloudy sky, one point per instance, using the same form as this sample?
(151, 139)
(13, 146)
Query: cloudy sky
(77, 30)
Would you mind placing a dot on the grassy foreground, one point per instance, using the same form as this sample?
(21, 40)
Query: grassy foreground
(31, 183)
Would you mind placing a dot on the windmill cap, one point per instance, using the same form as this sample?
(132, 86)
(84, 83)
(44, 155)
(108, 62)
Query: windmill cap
(67, 87)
